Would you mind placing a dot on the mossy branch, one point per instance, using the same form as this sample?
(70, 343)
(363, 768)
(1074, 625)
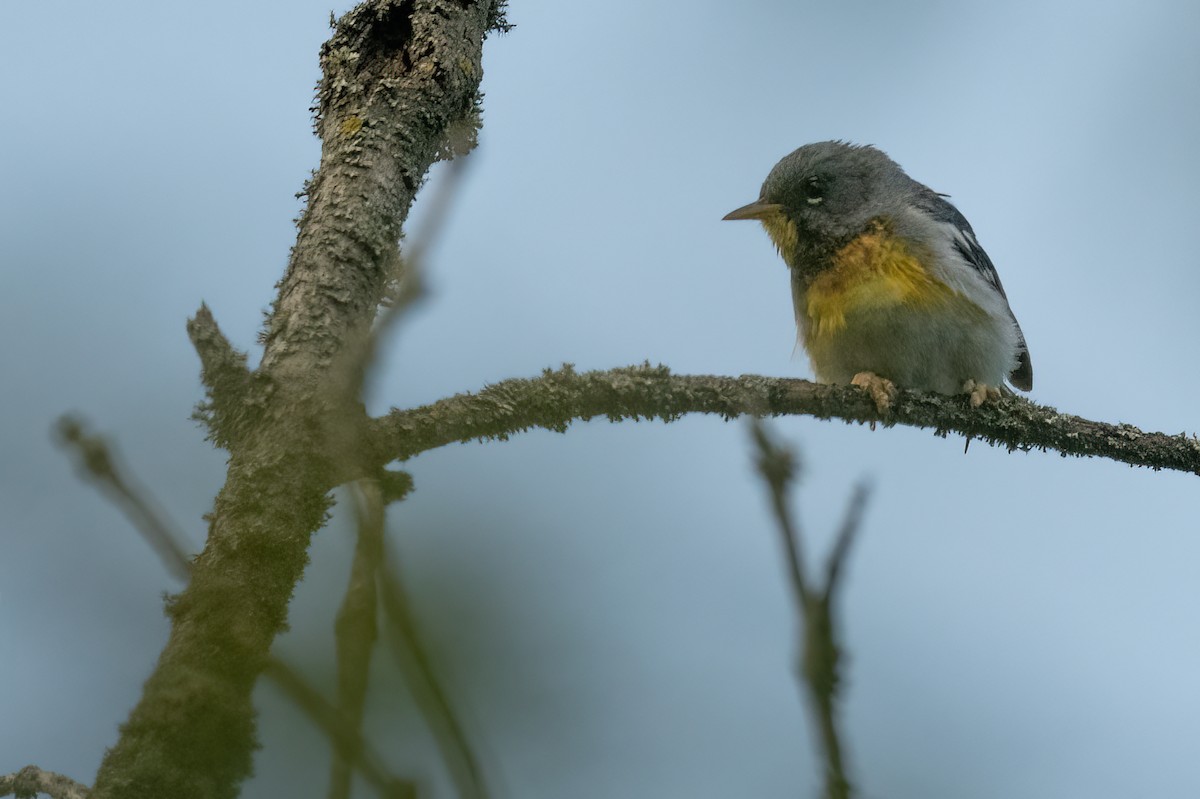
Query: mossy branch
(32, 780)
(560, 397)
(398, 78)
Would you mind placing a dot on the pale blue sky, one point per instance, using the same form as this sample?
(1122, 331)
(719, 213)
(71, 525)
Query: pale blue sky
(608, 606)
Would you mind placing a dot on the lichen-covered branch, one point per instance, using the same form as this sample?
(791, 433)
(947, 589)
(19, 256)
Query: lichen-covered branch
(398, 77)
(101, 466)
(233, 405)
(32, 780)
(560, 397)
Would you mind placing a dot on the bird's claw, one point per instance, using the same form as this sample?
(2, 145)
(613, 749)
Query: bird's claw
(980, 393)
(880, 389)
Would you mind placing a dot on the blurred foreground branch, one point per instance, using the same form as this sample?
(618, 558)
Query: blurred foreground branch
(357, 628)
(399, 86)
(415, 664)
(818, 666)
(342, 731)
(560, 397)
(32, 780)
(99, 464)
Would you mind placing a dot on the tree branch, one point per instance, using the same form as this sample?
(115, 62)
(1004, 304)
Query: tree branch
(818, 670)
(345, 736)
(397, 77)
(357, 628)
(98, 464)
(421, 678)
(32, 780)
(232, 407)
(562, 396)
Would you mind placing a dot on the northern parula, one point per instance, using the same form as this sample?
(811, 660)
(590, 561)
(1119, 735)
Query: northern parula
(889, 285)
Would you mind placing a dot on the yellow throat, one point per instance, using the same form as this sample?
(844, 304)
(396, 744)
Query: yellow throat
(874, 272)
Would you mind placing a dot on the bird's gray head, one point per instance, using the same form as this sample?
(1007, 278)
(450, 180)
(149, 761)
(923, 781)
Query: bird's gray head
(835, 188)
(824, 193)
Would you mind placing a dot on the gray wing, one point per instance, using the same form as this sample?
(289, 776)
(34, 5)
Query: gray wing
(967, 246)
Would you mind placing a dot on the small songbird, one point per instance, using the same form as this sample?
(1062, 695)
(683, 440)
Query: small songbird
(889, 284)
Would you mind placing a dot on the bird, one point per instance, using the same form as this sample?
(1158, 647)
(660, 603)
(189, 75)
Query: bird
(890, 286)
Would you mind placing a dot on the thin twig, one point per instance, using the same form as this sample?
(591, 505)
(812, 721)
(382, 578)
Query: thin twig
(345, 735)
(847, 533)
(357, 628)
(421, 677)
(777, 464)
(231, 410)
(438, 213)
(407, 277)
(818, 667)
(100, 465)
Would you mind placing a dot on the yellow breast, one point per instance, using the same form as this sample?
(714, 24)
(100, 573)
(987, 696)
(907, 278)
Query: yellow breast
(872, 273)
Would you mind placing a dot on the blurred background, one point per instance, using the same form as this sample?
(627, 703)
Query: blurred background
(608, 607)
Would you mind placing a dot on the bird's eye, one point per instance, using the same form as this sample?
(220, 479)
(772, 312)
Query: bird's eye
(814, 190)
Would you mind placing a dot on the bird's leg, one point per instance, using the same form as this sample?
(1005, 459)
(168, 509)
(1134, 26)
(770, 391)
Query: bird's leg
(880, 389)
(980, 392)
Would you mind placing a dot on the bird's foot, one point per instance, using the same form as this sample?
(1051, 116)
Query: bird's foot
(980, 393)
(880, 389)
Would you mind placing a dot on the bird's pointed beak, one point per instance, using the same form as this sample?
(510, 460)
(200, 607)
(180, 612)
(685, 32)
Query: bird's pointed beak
(758, 209)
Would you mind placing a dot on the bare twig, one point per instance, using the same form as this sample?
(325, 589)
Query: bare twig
(851, 524)
(340, 730)
(33, 780)
(406, 282)
(356, 627)
(100, 465)
(421, 678)
(439, 210)
(560, 397)
(777, 464)
(357, 630)
(818, 671)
